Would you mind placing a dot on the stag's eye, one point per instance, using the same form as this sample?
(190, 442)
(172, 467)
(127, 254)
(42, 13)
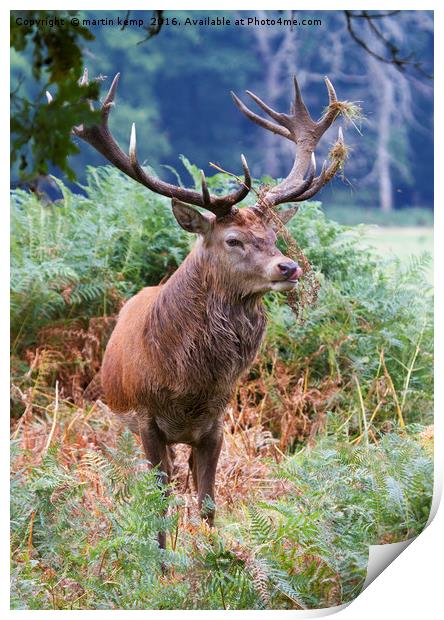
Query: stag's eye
(234, 243)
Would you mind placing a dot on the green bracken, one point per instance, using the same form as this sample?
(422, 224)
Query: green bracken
(346, 396)
(306, 549)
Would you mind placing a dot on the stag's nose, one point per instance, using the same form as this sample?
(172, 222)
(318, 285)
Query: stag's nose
(290, 270)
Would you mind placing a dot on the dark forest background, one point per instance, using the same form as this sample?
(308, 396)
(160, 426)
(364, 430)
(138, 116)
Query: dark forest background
(175, 85)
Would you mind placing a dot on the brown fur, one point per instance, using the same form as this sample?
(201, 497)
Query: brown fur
(179, 348)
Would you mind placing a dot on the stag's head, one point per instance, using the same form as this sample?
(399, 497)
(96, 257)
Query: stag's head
(240, 248)
(238, 245)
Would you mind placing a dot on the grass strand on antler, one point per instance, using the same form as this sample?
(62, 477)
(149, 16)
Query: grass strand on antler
(351, 111)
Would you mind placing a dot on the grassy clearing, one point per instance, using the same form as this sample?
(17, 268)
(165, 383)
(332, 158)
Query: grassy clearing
(401, 242)
(327, 441)
(409, 217)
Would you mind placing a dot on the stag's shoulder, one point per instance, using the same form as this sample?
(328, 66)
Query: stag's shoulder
(139, 303)
(133, 316)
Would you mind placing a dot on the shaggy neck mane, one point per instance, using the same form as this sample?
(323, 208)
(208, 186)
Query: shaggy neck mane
(219, 331)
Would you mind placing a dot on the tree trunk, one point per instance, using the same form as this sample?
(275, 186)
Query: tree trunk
(278, 51)
(383, 131)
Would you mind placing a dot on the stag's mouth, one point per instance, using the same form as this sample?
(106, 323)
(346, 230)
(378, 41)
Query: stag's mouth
(299, 273)
(287, 284)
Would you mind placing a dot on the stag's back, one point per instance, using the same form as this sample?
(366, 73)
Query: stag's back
(124, 369)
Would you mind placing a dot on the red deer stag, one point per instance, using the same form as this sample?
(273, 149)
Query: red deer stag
(179, 348)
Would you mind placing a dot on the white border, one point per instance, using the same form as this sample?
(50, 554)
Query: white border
(411, 586)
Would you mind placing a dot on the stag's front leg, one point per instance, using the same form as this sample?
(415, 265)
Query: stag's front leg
(205, 458)
(158, 454)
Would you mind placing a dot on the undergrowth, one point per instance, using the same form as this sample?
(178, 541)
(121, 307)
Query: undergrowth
(325, 448)
(84, 533)
(370, 334)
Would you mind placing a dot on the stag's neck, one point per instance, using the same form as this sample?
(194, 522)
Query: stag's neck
(202, 330)
(197, 288)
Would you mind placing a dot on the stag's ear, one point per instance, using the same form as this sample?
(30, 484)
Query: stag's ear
(191, 219)
(285, 216)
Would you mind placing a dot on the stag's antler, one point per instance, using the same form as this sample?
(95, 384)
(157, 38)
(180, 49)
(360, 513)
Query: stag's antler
(300, 128)
(100, 137)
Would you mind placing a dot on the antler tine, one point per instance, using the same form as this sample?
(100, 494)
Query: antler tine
(132, 151)
(100, 137)
(246, 185)
(308, 181)
(280, 196)
(332, 110)
(332, 98)
(205, 193)
(155, 184)
(247, 174)
(263, 122)
(245, 167)
(316, 185)
(266, 108)
(218, 202)
(326, 173)
(299, 107)
(109, 99)
(300, 128)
